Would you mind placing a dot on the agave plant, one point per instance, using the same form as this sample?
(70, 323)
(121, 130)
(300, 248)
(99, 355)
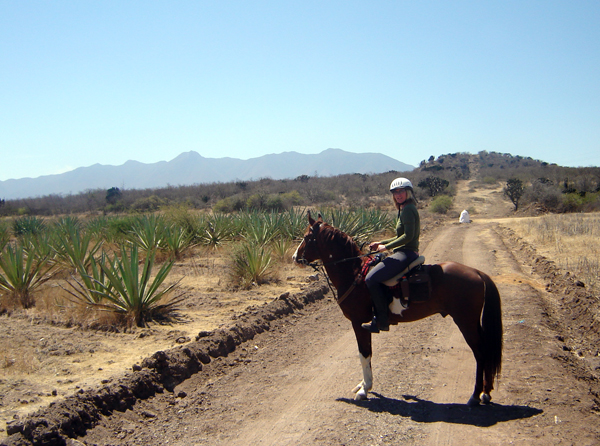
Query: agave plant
(40, 245)
(259, 228)
(91, 281)
(176, 241)
(75, 247)
(28, 225)
(217, 230)
(132, 293)
(251, 264)
(295, 224)
(148, 232)
(68, 224)
(98, 227)
(4, 237)
(280, 248)
(23, 271)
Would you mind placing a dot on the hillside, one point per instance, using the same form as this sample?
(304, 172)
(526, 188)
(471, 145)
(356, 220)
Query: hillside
(191, 168)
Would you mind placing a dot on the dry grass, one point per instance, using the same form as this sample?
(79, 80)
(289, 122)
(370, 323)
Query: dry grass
(571, 240)
(16, 359)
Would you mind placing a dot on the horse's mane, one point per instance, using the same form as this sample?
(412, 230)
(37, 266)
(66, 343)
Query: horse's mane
(341, 239)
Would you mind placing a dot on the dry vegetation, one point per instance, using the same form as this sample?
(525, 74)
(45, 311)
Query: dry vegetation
(571, 240)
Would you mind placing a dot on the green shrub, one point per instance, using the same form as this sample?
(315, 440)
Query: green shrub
(292, 198)
(148, 204)
(118, 228)
(575, 202)
(181, 216)
(441, 204)
(274, 203)
(229, 204)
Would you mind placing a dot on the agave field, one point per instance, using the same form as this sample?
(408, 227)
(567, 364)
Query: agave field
(121, 264)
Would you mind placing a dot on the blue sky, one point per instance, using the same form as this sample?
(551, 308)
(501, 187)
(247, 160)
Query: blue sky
(85, 82)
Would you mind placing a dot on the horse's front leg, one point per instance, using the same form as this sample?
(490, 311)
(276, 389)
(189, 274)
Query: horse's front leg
(363, 338)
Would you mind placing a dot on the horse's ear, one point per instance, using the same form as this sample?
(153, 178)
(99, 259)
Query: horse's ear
(320, 218)
(311, 220)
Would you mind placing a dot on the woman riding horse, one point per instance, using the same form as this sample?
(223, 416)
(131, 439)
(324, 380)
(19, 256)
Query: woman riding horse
(406, 249)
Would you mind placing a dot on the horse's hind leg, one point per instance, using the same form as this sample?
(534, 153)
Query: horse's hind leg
(488, 386)
(472, 334)
(476, 398)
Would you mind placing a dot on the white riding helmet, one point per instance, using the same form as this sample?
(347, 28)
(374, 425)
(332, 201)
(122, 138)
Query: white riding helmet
(401, 183)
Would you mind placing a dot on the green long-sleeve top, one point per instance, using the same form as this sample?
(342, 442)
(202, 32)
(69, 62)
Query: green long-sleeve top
(408, 230)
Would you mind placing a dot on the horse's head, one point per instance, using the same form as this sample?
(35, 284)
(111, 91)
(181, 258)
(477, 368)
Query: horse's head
(323, 241)
(308, 250)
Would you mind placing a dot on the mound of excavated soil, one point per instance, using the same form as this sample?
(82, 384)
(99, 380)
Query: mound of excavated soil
(575, 310)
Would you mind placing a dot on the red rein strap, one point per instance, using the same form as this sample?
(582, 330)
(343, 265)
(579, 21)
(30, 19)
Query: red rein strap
(360, 278)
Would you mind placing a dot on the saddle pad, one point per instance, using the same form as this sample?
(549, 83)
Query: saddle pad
(394, 280)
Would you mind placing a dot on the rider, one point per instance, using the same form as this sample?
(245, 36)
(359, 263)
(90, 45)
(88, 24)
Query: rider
(405, 246)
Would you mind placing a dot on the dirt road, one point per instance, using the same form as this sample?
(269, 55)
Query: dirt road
(292, 384)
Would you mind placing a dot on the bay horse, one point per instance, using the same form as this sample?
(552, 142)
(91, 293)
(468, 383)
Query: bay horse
(469, 296)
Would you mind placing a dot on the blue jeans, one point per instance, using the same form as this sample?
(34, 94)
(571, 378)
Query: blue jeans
(386, 269)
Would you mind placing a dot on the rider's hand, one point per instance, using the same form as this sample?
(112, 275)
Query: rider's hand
(381, 248)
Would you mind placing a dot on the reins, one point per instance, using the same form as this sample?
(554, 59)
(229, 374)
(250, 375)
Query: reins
(320, 267)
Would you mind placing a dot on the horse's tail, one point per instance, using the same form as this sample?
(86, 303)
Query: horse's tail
(491, 323)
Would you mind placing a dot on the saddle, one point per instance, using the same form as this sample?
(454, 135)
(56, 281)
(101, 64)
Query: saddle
(413, 284)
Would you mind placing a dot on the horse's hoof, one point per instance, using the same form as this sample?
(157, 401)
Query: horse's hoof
(486, 398)
(473, 402)
(361, 395)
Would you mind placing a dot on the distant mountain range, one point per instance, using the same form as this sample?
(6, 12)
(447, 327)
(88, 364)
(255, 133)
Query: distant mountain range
(191, 168)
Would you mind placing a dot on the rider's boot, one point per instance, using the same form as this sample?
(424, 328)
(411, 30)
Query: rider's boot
(381, 303)
(375, 326)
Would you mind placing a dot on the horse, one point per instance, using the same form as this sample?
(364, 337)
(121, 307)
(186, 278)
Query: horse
(468, 295)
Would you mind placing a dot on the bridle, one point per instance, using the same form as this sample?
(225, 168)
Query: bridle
(320, 266)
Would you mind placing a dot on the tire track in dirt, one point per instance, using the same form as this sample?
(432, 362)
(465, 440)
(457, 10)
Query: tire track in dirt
(457, 365)
(300, 398)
